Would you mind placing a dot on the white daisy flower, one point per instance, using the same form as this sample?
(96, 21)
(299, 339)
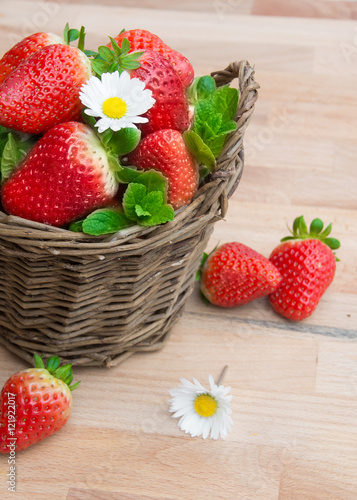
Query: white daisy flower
(117, 100)
(202, 411)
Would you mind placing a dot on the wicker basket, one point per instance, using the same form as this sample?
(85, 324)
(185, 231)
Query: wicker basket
(97, 300)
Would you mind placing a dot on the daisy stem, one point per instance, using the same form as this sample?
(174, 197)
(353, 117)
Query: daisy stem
(221, 377)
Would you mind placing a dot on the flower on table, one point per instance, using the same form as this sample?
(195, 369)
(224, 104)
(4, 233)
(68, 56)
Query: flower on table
(201, 411)
(117, 100)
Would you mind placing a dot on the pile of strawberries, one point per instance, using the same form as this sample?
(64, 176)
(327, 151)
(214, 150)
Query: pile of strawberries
(58, 170)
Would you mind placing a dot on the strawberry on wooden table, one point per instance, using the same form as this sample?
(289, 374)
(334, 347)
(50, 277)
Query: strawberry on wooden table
(35, 403)
(66, 175)
(164, 150)
(307, 264)
(234, 274)
(44, 89)
(145, 40)
(25, 48)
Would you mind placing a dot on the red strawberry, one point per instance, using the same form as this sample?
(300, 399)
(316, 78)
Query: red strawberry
(235, 274)
(65, 176)
(307, 265)
(171, 107)
(34, 404)
(24, 49)
(44, 89)
(144, 40)
(165, 151)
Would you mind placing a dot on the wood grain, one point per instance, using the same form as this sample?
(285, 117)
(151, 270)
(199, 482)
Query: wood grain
(294, 385)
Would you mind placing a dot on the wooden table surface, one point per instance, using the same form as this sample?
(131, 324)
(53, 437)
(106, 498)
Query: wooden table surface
(294, 385)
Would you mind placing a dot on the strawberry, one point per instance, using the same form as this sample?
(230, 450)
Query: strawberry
(165, 151)
(44, 89)
(35, 403)
(171, 107)
(64, 176)
(24, 49)
(234, 274)
(144, 40)
(307, 265)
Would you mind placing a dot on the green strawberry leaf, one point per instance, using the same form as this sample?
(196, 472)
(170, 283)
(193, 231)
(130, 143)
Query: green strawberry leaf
(105, 53)
(165, 213)
(104, 221)
(127, 174)
(14, 151)
(215, 109)
(140, 212)
(201, 88)
(200, 150)
(153, 181)
(88, 120)
(99, 66)
(225, 101)
(76, 226)
(115, 59)
(144, 200)
(133, 195)
(123, 141)
(152, 202)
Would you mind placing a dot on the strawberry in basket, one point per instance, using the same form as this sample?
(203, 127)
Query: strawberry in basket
(43, 90)
(138, 131)
(35, 403)
(24, 49)
(142, 40)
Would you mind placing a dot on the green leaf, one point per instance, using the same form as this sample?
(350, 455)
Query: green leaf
(99, 66)
(316, 226)
(201, 88)
(152, 202)
(125, 47)
(105, 53)
(106, 136)
(38, 361)
(124, 141)
(164, 214)
(115, 47)
(225, 101)
(126, 175)
(73, 35)
(326, 231)
(65, 34)
(53, 363)
(13, 153)
(76, 226)
(90, 53)
(133, 195)
(333, 243)
(153, 181)
(140, 212)
(199, 149)
(88, 120)
(104, 221)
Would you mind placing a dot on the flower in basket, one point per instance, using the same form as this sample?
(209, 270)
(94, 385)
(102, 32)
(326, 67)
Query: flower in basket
(97, 141)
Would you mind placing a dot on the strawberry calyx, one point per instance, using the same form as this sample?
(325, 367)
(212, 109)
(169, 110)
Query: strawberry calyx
(72, 34)
(117, 58)
(316, 231)
(63, 373)
(116, 144)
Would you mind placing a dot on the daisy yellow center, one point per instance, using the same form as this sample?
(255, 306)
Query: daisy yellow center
(205, 405)
(114, 107)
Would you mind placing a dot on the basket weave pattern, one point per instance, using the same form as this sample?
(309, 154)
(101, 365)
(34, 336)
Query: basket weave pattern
(97, 300)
